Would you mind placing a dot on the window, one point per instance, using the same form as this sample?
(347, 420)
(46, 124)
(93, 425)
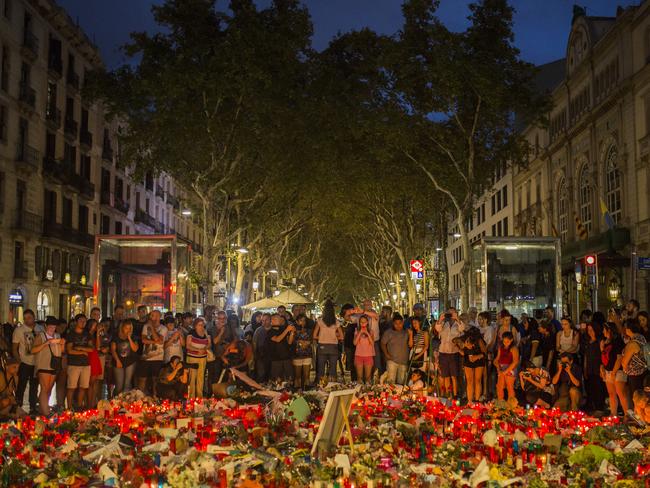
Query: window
(2, 192)
(146, 205)
(105, 225)
(83, 219)
(494, 229)
(504, 196)
(562, 211)
(128, 230)
(6, 9)
(67, 213)
(4, 123)
(70, 156)
(498, 201)
(4, 69)
(50, 206)
(50, 145)
(51, 99)
(69, 108)
(613, 184)
(499, 229)
(84, 167)
(493, 204)
(585, 197)
(505, 226)
(118, 228)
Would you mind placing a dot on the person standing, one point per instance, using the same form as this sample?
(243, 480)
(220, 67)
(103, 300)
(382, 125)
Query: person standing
(568, 339)
(594, 385)
(197, 345)
(364, 352)
(124, 351)
(549, 313)
(395, 345)
(262, 363)
(78, 347)
(449, 329)
(611, 350)
(633, 361)
(174, 341)
(385, 323)
(373, 326)
(22, 342)
(507, 361)
(278, 348)
(222, 335)
(328, 334)
(153, 339)
(349, 316)
(47, 350)
(302, 354)
(474, 352)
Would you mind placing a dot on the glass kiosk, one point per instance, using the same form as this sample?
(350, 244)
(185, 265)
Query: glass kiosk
(150, 270)
(517, 273)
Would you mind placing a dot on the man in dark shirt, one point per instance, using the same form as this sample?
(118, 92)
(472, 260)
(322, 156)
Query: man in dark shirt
(278, 348)
(172, 380)
(77, 347)
(568, 382)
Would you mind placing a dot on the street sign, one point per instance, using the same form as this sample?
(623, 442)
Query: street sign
(417, 275)
(643, 263)
(417, 266)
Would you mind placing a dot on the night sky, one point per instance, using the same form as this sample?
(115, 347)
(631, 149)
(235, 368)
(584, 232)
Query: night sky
(541, 26)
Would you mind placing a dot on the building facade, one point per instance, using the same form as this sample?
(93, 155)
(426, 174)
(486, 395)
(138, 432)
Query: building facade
(61, 179)
(587, 180)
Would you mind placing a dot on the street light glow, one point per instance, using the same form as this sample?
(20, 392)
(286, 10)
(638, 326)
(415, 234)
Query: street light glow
(273, 271)
(438, 249)
(242, 250)
(456, 235)
(186, 212)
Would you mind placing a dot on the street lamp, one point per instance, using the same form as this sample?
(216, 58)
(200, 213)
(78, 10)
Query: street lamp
(187, 212)
(438, 249)
(273, 271)
(242, 250)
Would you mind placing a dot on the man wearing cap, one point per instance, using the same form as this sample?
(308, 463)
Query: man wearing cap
(22, 341)
(418, 311)
(9, 408)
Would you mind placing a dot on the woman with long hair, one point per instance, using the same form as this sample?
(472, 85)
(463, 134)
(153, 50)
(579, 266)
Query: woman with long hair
(47, 347)
(302, 352)
(328, 334)
(633, 360)
(568, 339)
(506, 363)
(611, 352)
(474, 351)
(96, 367)
(592, 358)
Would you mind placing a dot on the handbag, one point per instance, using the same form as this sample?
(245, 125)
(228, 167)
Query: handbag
(56, 362)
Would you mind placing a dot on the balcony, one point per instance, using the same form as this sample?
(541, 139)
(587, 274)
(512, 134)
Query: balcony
(53, 169)
(86, 139)
(107, 153)
(72, 80)
(53, 118)
(29, 48)
(617, 238)
(71, 128)
(55, 66)
(27, 222)
(27, 157)
(143, 217)
(27, 96)
(68, 234)
(120, 205)
(105, 197)
(20, 270)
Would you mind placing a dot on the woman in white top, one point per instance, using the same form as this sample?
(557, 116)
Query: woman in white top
(327, 334)
(47, 345)
(568, 339)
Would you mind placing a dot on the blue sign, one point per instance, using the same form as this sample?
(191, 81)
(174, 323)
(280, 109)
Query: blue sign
(643, 263)
(420, 275)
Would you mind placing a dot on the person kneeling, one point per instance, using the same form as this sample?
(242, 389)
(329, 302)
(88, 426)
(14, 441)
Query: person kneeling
(9, 409)
(536, 383)
(567, 381)
(172, 380)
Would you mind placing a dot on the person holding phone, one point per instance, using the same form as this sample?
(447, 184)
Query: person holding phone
(47, 345)
(506, 362)
(449, 328)
(364, 355)
(567, 382)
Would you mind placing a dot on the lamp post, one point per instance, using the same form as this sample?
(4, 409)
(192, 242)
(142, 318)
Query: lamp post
(403, 295)
(578, 275)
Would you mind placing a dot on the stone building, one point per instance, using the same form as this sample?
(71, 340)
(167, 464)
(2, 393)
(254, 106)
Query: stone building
(61, 179)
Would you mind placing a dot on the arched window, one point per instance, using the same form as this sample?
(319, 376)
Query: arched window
(563, 211)
(584, 184)
(613, 184)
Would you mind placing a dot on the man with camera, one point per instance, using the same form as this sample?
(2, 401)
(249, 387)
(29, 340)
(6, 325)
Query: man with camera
(449, 328)
(567, 382)
(537, 386)
(172, 380)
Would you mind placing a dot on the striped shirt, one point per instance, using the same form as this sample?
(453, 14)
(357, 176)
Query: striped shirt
(197, 347)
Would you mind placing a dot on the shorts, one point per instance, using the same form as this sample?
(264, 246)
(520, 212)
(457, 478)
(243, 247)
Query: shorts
(301, 361)
(148, 369)
(620, 377)
(78, 377)
(449, 364)
(360, 361)
(47, 371)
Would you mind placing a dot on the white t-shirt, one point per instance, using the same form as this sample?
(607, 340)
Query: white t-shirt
(174, 348)
(24, 337)
(154, 352)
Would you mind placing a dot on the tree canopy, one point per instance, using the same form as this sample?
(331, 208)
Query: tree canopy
(330, 166)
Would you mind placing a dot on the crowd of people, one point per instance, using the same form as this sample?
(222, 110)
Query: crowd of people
(473, 357)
